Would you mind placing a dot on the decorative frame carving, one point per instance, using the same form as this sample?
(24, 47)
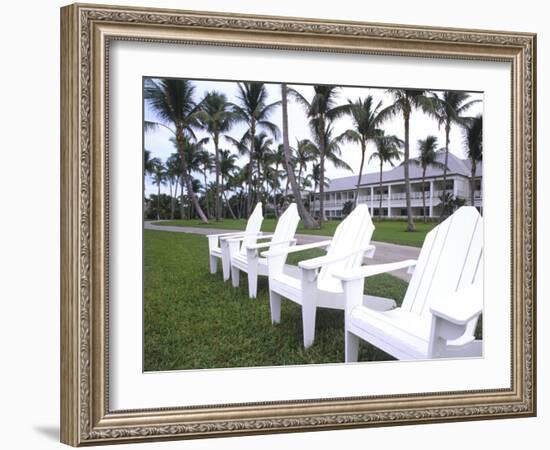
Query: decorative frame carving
(86, 31)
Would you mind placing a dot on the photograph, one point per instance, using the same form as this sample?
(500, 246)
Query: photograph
(293, 224)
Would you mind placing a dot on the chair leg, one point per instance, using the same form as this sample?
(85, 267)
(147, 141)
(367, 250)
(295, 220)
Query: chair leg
(275, 303)
(352, 347)
(213, 264)
(308, 324)
(235, 273)
(226, 268)
(252, 280)
(252, 285)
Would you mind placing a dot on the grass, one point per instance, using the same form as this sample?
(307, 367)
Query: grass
(193, 320)
(393, 231)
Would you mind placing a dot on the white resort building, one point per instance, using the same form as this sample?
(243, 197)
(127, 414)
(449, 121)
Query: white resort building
(342, 190)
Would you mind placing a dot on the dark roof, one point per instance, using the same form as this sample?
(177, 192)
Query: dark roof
(456, 166)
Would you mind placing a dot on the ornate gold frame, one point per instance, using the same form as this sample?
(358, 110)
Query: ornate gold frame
(86, 31)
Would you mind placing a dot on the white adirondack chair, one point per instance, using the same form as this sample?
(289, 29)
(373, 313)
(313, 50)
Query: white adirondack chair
(244, 256)
(443, 300)
(313, 285)
(219, 248)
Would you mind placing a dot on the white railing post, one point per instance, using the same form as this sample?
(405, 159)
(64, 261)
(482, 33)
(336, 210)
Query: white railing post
(372, 201)
(389, 200)
(431, 198)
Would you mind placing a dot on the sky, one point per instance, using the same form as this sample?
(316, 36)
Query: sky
(421, 125)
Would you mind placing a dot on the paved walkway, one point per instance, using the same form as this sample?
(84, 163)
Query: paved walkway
(385, 252)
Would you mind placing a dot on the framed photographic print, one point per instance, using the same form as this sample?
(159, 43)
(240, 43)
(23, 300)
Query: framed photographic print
(278, 224)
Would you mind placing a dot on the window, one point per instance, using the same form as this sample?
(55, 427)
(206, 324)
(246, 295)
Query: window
(339, 196)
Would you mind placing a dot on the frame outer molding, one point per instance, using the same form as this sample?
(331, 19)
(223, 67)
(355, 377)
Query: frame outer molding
(70, 215)
(85, 33)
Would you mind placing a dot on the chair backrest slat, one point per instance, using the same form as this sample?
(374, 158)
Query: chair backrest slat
(448, 260)
(284, 231)
(253, 227)
(354, 232)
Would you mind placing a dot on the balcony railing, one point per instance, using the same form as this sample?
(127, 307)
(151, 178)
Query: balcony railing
(396, 197)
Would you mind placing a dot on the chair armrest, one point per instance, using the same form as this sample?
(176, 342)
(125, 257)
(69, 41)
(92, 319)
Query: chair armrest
(269, 244)
(369, 271)
(296, 248)
(236, 234)
(242, 238)
(320, 261)
(460, 307)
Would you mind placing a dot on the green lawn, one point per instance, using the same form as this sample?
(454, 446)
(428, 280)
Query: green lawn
(193, 320)
(386, 230)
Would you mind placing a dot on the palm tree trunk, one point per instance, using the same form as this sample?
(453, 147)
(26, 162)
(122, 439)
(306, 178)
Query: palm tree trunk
(259, 184)
(250, 168)
(275, 206)
(182, 207)
(206, 202)
(190, 193)
(309, 223)
(172, 206)
(423, 194)
(175, 197)
(410, 223)
(158, 202)
(380, 203)
(447, 132)
(363, 149)
(322, 185)
(228, 204)
(218, 190)
(222, 196)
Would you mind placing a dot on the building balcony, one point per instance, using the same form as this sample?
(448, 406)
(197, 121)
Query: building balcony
(398, 199)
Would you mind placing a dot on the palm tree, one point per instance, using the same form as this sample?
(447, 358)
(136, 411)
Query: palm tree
(239, 182)
(308, 221)
(315, 178)
(228, 165)
(253, 110)
(474, 144)
(366, 118)
(450, 108)
(428, 157)
(148, 167)
(148, 163)
(278, 160)
(405, 101)
(305, 153)
(176, 157)
(173, 102)
(261, 156)
(332, 151)
(322, 110)
(387, 151)
(159, 178)
(206, 162)
(216, 117)
(173, 174)
(191, 157)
